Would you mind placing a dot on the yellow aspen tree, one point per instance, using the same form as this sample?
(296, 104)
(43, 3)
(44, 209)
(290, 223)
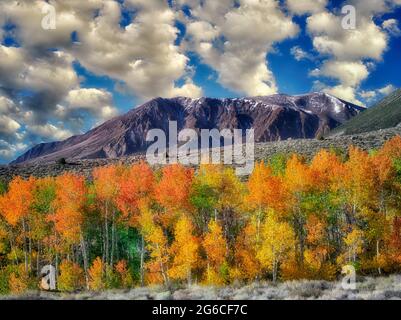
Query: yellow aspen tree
(157, 247)
(278, 240)
(96, 275)
(354, 243)
(184, 251)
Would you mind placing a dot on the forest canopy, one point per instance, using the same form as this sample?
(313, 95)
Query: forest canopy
(135, 226)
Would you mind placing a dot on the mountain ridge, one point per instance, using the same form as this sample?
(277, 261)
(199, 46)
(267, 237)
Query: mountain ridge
(274, 118)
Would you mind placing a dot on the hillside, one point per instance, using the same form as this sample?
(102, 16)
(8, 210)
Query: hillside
(274, 118)
(383, 115)
(263, 151)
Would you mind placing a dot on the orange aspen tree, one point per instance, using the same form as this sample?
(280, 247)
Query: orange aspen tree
(68, 218)
(324, 170)
(247, 266)
(360, 181)
(257, 197)
(16, 209)
(172, 192)
(318, 249)
(215, 246)
(124, 274)
(184, 251)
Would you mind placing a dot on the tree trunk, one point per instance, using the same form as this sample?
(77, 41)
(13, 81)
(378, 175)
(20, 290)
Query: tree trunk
(38, 260)
(85, 260)
(25, 246)
(106, 228)
(274, 271)
(142, 261)
(189, 278)
(377, 256)
(113, 233)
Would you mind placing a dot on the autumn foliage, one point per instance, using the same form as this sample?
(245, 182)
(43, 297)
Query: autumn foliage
(134, 226)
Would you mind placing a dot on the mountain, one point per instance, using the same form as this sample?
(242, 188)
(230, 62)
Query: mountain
(276, 117)
(383, 115)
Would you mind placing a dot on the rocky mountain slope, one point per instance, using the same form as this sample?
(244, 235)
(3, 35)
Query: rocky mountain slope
(383, 115)
(274, 118)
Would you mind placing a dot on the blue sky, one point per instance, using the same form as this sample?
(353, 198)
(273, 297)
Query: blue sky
(105, 57)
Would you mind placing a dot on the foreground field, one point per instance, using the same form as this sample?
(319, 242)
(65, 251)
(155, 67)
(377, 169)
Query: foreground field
(384, 288)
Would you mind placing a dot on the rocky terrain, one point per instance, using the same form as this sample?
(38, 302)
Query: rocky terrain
(383, 288)
(273, 118)
(263, 151)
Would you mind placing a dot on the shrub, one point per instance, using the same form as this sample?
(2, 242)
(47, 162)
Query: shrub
(71, 276)
(62, 161)
(96, 281)
(124, 274)
(18, 281)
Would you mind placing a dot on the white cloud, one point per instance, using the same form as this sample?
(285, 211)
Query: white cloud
(367, 41)
(97, 102)
(300, 54)
(350, 73)
(50, 131)
(234, 40)
(349, 55)
(143, 54)
(8, 151)
(387, 89)
(306, 6)
(368, 95)
(8, 125)
(391, 26)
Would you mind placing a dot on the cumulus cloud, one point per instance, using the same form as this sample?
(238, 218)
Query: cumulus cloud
(50, 131)
(143, 54)
(38, 74)
(97, 102)
(8, 150)
(349, 55)
(235, 40)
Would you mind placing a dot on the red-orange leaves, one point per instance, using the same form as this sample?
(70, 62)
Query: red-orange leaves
(70, 199)
(16, 202)
(173, 190)
(135, 191)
